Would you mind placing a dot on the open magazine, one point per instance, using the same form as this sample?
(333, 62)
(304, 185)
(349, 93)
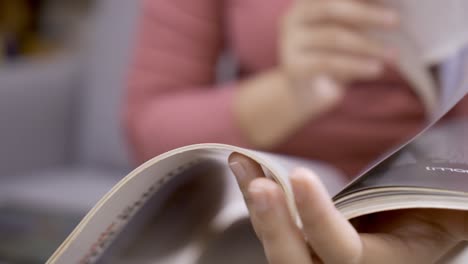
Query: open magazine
(429, 171)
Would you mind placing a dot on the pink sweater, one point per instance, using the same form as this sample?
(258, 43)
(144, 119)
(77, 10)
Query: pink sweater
(173, 100)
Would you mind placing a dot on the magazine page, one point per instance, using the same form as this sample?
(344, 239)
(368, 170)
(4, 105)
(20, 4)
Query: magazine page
(436, 158)
(430, 31)
(437, 28)
(455, 79)
(102, 225)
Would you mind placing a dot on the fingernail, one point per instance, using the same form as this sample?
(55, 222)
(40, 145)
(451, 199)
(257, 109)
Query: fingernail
(259, 197)
(238, 169)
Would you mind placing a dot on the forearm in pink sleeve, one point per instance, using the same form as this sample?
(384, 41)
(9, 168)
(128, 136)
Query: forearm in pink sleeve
(188, 117)
(172, 100)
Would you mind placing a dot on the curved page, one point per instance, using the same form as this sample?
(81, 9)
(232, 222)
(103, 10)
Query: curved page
(112, 213)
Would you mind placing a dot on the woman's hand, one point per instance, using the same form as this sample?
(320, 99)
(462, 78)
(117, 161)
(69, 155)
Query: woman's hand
(323, 45)
(405, 236)
(320, 38)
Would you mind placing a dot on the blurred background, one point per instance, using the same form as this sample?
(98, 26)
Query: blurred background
(63, 69)
(32, 28)
(62, 72)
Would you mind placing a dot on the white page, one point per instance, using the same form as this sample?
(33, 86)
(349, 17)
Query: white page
(430, 32)
(105, 221)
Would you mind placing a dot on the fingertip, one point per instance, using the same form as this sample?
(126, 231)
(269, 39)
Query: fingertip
(306, 184)
(299, 181)
(301, 176)
(235, 157)
(236, 164)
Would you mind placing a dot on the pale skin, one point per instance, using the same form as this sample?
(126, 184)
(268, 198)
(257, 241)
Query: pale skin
(417, 236)
(323, 46)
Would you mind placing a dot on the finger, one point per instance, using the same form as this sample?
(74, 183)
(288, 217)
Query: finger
(341, 66)
(333, 38)
(329, 234)
(359, 14)
(246, 170)
(281, 239)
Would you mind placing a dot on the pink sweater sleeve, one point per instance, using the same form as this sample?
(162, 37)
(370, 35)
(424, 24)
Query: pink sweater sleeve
(171, 100)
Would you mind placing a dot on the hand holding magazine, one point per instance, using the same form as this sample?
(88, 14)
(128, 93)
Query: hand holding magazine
(430, 171)
(402, 236)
